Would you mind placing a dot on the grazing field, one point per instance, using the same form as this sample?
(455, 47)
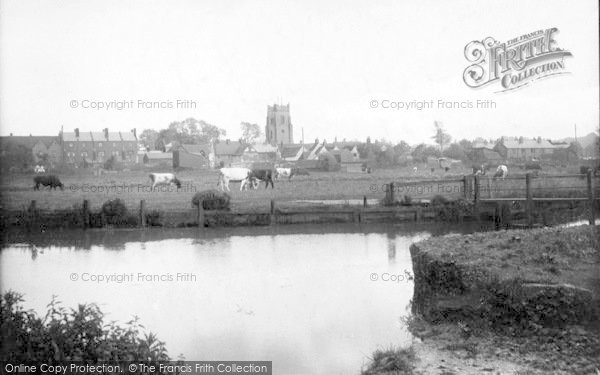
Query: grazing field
(132, 186)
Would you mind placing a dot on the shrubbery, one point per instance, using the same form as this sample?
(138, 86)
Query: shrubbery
(452, 211)
(115, 211)
(71, 335)
(212, 200)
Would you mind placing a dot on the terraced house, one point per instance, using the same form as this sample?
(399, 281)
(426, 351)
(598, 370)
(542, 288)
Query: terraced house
(81, 148)
(519, 149)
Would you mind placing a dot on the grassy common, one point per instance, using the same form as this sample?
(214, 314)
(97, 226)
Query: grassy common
(17, 192)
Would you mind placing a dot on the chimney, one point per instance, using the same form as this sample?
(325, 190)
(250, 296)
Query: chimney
(11, 134)
(539, 139)
(77, 132)
(227, 141)
(106, 133)
(134, 131)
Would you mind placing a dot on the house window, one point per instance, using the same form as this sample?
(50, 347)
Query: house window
(71, 145)
(100, 155)
(84, 155)
(83, 145)
(282, 119)
(100, 145)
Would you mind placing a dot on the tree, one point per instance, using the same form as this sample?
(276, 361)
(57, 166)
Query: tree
(465, 144)
(455, 151)
(575, 148)
(327, 162)
(250, 132)
(401, 148)
(189, 131)
(423, 151)
(385, 156)
(16, 155)
(149, 137)
(441, 137)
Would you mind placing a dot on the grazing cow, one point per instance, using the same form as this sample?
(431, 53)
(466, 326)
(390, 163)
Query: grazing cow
(39, 169)
(226, 175)
(47, 180)
(284, 172)
(164, 179)
(501, 172)
(265, 175)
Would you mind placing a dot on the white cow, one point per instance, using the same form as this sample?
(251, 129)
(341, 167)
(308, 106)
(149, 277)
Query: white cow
(501, 171)
(227, 175)
(164, 179)
(284, 172)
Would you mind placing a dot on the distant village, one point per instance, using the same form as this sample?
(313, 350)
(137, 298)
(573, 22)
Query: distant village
(113, 149)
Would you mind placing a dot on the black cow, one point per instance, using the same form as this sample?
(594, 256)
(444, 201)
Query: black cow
(265, 175)
(47, 180)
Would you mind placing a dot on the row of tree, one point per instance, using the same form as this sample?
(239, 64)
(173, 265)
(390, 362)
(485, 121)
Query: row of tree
(192, 131)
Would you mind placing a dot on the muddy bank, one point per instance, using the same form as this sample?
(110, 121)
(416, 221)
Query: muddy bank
(510, 301)
(512, 280)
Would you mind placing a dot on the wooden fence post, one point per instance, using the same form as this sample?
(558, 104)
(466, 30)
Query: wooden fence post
(364, 201)
(142, 221)
(86, 213)
(33, 214)
(529, 204)
(272, 217)
(489, 186)
(418, 214)
(590, 189)
(200, 216)
(392, 193)
(476, 198)
(465, 187)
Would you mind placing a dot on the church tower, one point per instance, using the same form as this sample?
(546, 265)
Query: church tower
(279, 125)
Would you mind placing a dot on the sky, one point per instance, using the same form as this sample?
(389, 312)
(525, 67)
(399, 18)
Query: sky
(330, 60)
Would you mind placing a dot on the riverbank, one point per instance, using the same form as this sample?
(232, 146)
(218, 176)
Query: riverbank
(510, 302)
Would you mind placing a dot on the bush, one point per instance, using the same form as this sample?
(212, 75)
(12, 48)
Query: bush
(71, 335)
(396, 361)
(438, 200)
(328, 162)
(115, 211)
(110, 163)
(452, 211)
(212, 200)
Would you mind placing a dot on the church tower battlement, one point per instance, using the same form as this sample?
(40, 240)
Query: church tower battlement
(279, 127)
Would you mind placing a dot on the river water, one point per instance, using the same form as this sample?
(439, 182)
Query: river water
(312, 299)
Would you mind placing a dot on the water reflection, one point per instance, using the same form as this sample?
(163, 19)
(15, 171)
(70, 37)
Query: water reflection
(300, 296)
